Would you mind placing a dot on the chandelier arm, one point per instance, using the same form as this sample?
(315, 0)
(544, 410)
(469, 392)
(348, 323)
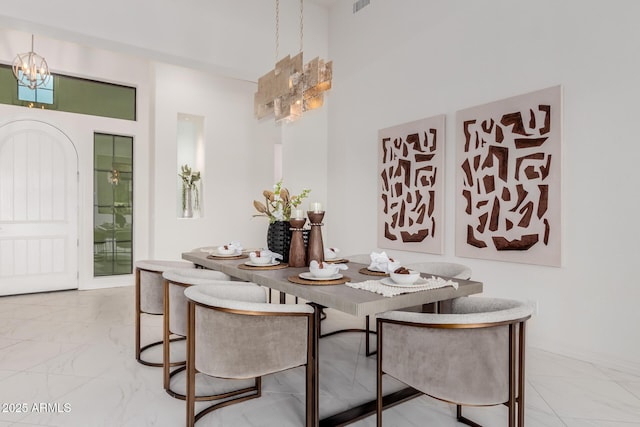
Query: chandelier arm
(277, 28)
(301, 23)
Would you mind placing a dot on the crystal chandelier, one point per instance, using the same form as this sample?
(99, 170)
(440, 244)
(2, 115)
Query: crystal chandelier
(31, 69)
(291, 88)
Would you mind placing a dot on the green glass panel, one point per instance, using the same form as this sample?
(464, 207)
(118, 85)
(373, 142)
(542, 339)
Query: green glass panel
(74, 95)
(96, 98)
(8, 85)
(113, 201)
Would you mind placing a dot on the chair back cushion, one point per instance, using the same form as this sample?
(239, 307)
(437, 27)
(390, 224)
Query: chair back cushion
(151, 283)
(232, 345)
(466, 366)
(239, 335)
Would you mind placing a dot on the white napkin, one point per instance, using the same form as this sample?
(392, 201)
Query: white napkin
(267, 253)
(313, 265)
(331, 253)
(381, 262)
(235, 245)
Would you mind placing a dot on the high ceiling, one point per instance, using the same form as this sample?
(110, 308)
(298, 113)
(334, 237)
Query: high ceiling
(326, 3)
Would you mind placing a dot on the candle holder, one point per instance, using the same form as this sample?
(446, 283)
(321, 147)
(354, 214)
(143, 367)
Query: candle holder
(297, 252)
(316, 247)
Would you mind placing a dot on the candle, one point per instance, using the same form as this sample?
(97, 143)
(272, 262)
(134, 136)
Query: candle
(297, 214)
(315, 207)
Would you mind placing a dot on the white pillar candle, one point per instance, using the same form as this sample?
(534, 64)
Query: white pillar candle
(315, 207)
(297, 214)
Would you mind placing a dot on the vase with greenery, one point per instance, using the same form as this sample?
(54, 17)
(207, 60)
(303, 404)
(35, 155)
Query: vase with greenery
(277, 206)
(190, 194)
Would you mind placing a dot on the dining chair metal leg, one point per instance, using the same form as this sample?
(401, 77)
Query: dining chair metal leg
(521, 377)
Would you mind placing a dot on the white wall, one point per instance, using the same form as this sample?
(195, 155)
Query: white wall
(398, 61)
(238, 162)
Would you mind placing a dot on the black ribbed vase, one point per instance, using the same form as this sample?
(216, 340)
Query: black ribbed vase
(279, 238)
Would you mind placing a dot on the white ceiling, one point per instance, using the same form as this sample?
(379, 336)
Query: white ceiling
(326, 3)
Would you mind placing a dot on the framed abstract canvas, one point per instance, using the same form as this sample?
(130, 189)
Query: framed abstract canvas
(508, 179)
(411, 185)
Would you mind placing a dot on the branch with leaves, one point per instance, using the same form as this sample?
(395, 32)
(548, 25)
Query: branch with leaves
(279, 202)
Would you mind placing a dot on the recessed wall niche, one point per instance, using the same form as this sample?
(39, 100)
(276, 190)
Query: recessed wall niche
(190, 166)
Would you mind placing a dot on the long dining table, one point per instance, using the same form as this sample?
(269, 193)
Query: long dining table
(343, 298)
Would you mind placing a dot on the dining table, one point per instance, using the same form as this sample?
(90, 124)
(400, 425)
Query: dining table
(340, 297)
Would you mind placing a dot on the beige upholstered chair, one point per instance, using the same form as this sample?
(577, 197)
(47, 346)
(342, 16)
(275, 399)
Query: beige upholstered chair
(233, 333)
(150, 297)
(446, 269)
(472, 356)
(175, 309)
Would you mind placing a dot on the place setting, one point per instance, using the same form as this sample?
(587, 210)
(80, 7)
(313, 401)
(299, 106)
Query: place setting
(331, 256)
(380, 265)
(392, 278)
(232, 250)
(263, 260)
(321, 273)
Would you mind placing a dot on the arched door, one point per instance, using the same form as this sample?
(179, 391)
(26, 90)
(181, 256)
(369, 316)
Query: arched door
(38, 209)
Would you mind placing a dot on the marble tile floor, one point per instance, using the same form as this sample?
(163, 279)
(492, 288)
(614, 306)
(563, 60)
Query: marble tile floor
(67, 360)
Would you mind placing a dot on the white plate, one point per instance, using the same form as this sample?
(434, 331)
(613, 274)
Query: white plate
(388, 281)
(225, 255)
(308, 276)
(255, 264)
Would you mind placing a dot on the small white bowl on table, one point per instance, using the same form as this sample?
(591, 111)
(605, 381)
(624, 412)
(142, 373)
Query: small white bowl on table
(259, 258)
(323, 270)
(225, 251)
(405, 279)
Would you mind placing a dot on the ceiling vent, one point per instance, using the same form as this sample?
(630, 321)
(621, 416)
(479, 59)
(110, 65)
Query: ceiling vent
(359, 5)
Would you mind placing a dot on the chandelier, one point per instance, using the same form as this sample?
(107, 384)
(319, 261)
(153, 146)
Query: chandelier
(31, 69)
(291, 87)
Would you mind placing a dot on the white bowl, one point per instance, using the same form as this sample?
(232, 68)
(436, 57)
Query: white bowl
(223, 251)
(257, 258)
(405, 279)
(328, 270)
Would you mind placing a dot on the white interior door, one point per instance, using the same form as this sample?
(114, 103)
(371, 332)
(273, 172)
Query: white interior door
(38, 209)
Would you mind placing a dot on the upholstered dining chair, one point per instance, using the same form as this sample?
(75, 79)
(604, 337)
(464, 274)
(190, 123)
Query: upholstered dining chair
(150, 297)
(234, 333)
(471, 356)
(175, 310)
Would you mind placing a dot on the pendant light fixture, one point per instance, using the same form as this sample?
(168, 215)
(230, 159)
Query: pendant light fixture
(31, 69)
(291, 88)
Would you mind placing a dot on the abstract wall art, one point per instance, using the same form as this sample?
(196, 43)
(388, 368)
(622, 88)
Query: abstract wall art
(508, 179)
(411, 185)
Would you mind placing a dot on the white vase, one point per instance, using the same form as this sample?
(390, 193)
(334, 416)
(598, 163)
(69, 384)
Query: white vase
(187, 211)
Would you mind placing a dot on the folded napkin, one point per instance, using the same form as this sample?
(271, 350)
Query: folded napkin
(235, 245)
(331, 253)
(388, 291)
(381, 262)
(314, 265)
(267, 253)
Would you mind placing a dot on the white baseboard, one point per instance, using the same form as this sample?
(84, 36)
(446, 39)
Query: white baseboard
(107, 282)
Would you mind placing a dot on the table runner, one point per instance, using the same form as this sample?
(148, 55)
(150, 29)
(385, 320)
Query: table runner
(388, 291)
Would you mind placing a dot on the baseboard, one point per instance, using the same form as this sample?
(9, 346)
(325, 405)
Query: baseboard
(106, 282)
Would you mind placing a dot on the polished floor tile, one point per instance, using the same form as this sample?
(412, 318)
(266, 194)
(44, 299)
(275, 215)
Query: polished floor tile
(69, 357)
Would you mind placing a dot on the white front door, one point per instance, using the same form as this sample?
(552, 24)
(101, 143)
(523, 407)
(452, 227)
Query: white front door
(38, 209)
